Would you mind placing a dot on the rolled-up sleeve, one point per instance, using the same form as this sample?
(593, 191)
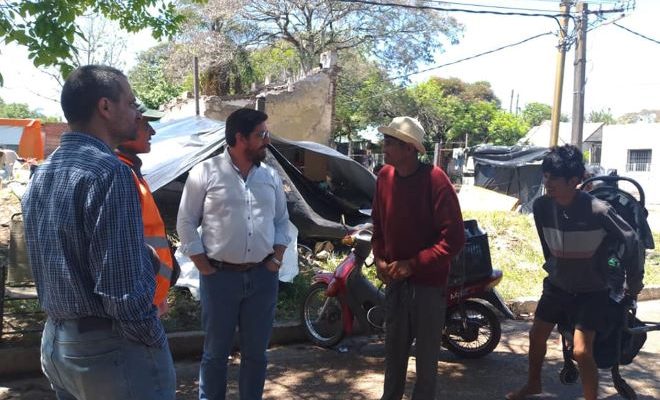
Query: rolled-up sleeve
(190, 213)
(282, 236)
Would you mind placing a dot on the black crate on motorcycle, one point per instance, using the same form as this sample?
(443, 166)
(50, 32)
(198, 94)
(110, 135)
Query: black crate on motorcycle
(473, 262)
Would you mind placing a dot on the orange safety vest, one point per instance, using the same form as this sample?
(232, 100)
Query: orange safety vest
(154, 233)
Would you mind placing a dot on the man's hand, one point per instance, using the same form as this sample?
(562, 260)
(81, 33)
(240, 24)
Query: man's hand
(272, 266)
(399, 269)
(203, 265)
(381, 271)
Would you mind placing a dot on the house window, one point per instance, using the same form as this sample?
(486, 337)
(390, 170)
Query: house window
(639, 160)
(594, 154)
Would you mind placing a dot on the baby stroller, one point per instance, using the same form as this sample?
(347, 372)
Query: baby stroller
(626, 334)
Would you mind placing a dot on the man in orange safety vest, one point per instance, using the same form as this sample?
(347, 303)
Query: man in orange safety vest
(154, 227)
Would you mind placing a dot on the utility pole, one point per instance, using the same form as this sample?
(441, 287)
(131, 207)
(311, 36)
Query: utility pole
(196, 83)
(511, 103)
(559, 77)
(579, 75)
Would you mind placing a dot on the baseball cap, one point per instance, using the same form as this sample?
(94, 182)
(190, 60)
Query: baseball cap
(147, 113)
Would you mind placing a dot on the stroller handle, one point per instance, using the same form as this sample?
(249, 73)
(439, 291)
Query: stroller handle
(615, 179)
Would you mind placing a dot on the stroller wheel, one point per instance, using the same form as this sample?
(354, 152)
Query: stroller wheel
(569, 374)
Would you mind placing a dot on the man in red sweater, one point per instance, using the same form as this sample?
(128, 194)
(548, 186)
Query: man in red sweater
(418, 228)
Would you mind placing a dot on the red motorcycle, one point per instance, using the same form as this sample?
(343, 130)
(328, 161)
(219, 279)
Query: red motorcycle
(336, 300)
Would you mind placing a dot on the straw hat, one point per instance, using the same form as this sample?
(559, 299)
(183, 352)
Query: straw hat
(406, 129)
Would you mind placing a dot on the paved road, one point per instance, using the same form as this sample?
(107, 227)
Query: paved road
(306, 372)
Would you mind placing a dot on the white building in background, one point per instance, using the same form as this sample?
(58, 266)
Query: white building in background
(633, 150)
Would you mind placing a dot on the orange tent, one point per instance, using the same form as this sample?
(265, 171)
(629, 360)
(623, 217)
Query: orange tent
(31, 144)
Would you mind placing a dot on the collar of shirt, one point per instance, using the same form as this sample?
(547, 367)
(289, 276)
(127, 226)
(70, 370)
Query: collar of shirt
(73, 138)
(240, 219)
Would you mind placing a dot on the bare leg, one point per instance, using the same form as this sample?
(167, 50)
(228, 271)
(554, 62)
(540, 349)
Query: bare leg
(538, 337)
(583, 342)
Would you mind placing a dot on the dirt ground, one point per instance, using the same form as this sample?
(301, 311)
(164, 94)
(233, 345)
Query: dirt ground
(355, 371)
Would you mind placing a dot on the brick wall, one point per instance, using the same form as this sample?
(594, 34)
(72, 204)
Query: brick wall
(52, 133)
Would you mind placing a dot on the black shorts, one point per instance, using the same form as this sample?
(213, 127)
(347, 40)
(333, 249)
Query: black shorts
(586, 311)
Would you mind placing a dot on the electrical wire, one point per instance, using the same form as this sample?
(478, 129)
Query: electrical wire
(490, 6)
(554, 16)
(636, 33)
(451, 63)
(473, 56)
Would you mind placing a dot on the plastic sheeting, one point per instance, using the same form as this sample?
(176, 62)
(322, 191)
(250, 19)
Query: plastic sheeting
(178, 146)
(315, 207)
(511, 170)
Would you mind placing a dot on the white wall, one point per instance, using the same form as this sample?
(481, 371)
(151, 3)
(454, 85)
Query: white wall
(618, 139)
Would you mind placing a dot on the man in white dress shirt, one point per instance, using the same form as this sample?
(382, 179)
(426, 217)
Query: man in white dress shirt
(240, 205)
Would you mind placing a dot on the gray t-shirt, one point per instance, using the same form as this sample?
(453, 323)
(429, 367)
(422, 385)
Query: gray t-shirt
(577, 240)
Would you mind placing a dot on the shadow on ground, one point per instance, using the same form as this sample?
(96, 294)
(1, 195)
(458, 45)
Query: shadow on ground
(354, 370)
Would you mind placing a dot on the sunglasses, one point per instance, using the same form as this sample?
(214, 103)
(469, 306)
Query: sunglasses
(263, 134)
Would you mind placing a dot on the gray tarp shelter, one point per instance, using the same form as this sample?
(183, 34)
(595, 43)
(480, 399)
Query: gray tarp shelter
(321, 184)
(511, 170)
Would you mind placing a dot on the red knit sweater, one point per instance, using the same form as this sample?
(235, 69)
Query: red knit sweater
(418, 218)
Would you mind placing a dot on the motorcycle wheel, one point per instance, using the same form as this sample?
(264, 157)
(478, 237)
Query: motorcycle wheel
(479, 337)
(322, 317)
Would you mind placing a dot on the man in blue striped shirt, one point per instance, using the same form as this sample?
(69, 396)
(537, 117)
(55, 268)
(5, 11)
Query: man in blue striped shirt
(93, 271)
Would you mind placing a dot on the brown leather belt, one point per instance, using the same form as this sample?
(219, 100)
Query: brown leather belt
(222, 265)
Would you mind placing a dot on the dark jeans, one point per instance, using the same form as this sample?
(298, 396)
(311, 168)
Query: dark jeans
(229, 299)
(413, 312)
(99, 364)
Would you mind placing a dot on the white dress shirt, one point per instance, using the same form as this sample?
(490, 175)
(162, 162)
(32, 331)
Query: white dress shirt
(241, 220)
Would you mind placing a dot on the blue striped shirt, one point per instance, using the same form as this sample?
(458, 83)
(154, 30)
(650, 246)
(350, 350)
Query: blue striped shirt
(85, 240)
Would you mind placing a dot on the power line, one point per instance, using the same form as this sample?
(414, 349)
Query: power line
(474, 56)
(450, 63)
(636, 33)
(423, 7)
(490, 6)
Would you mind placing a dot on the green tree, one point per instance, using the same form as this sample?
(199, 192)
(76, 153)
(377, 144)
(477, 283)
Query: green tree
(506, 129)
(22, 110)
(450, 109)
(48, 28)
(149, 81)
(640, 116)
(365, 96)
(535, 113)
(396, 38)
(604, 116)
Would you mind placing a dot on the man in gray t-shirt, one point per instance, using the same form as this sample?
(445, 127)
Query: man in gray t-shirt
(576, 232)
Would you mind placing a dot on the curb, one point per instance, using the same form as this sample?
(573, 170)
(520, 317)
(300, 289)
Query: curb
(17, 361)
(26, 360)
(525, 306)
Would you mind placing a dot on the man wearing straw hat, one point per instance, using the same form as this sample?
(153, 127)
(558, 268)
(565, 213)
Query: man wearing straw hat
(418, 228)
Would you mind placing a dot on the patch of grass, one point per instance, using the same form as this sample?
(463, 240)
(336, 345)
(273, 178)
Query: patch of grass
(515, 249)
(652, 267)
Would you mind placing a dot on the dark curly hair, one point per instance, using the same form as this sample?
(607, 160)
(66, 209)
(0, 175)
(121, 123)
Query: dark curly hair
(564, 161)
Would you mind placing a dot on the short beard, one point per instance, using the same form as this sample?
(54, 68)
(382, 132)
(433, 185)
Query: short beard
(256, 156)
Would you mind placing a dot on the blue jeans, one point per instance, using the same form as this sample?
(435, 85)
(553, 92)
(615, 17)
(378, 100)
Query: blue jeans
(229, 299)
(99, 364)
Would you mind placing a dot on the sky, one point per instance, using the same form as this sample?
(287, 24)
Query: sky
(623, 70)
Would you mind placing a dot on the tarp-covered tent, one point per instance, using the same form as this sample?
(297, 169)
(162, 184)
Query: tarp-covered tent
(321, 184)
(512, 170)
